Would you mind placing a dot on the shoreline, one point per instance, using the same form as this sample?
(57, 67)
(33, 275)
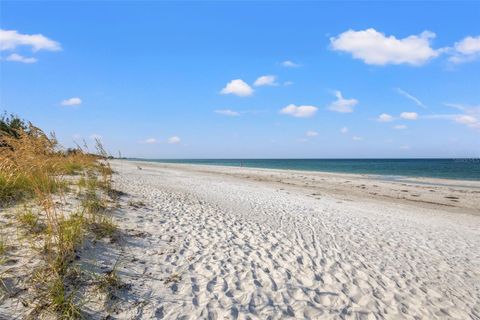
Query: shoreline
(461, 196)
(475, 182)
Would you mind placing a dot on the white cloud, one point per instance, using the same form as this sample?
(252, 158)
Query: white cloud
(470, 117)
(357, 138)
(405, 147)
(341, 104)
(466, 119)
(409, 96)
(237, 87)
(468, 49)
(311, 133)
(468, 45)
(344, 130)
(299, 111)
(71, 102)
(290, 64)
(288, 83)
(228, 112)
(11, 39)
(268, 80)
(376, 48)
(150, 141)
(400, 127)
(19, 58)
(174, 140)
(409, 115)
(385, 118)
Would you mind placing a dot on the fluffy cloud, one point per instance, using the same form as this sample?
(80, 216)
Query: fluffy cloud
(400, 127)
(376, 48)
(19, 58)
(289, 64)
(468, 45)
(467, 49)
(299, 111)
(266, 81)
(150, 141)
(228, 112)
(11, 39)
(409, 96)
(409, 115)
(71, 102)
(341, 104)
(311, 133)
(237, 87)
(385, 118)
(174, 140)
(344, 130)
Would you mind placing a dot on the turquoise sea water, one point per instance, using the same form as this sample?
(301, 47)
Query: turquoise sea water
(463, 169)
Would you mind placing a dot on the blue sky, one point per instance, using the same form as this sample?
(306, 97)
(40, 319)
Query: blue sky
(177, 80)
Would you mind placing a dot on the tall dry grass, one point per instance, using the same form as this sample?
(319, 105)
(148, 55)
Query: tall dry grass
(33, 167)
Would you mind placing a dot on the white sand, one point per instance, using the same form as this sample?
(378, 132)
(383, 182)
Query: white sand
(221, 243)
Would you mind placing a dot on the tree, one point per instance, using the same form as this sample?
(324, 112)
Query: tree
(12, 125)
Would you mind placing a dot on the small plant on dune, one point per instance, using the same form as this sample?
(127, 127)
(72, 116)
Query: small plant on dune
(3, 246)
(63, 302)
(82, 182)
(92, 204)
(28, 219)
(104, 227)
(91, 182)
(69, 234)
(72, 168)
(110, 282)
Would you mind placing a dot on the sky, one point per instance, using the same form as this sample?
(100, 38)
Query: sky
(253, 79)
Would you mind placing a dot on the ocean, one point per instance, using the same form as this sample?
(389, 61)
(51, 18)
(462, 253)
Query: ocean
(460, 169)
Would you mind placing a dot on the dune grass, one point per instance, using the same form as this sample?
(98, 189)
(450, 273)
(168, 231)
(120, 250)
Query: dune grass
(34, 168)
(3, 246)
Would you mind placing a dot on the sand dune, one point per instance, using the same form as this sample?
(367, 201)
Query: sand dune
(223, 243)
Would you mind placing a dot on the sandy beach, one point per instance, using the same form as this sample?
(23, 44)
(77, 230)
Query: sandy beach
(238, 243)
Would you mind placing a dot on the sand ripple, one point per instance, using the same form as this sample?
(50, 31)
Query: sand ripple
(220, 247)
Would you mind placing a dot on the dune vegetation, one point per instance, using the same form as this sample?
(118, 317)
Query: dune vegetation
(37, 177)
